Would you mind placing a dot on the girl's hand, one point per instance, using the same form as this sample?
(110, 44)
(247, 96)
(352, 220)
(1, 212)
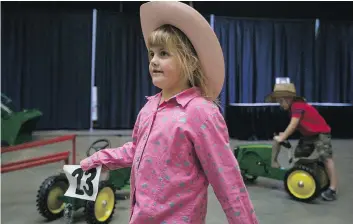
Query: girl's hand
(105, 168)
(104, 173)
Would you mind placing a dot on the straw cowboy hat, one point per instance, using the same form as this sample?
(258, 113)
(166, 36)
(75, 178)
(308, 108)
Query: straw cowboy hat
(155, 14)
(283, 90)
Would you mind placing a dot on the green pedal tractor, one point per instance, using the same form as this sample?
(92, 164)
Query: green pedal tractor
(303, 181)
(16, 126)
(52, 204)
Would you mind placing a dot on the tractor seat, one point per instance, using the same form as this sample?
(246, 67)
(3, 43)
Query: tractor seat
(307, 157)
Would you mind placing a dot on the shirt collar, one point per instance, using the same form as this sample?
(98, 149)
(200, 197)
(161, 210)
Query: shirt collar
(182, 98)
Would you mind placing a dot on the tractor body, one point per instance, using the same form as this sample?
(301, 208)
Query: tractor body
(303, 181)
(53, 204)
(16, 126)
(255, 160)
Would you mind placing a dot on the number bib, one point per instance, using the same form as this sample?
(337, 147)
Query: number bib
(82, 184)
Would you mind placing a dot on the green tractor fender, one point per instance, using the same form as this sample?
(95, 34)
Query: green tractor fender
(17, 127)
(251, 160)
(255, 160)
(261, 151)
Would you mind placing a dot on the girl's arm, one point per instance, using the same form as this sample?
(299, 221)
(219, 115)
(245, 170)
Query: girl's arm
(212, 147)
(114, 158)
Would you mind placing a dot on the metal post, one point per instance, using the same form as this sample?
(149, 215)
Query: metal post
(121, 7)
(317, 27)
(212, 21)
(93, 62)
(74, 151)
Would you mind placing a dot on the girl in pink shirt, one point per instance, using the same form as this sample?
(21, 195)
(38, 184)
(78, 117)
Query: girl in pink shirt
(180, 139)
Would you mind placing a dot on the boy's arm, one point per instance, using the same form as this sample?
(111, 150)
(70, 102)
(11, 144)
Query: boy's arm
(211, 142)
(297, 112)
(294, 122)
(116, 157)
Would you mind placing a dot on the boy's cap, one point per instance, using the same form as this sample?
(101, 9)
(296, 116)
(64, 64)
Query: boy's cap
(282, 90)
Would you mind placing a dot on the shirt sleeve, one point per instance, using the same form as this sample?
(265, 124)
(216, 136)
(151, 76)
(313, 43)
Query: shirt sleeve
(114, 158)
(296, 110)
(211, 142)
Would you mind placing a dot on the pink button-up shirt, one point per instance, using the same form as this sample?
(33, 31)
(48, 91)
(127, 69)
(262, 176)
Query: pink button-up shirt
(178, 148)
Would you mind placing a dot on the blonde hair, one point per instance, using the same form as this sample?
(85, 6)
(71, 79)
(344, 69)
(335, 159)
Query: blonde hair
(174, 40)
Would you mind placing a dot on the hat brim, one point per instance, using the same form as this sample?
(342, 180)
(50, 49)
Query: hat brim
(272, 97)
(158, 13)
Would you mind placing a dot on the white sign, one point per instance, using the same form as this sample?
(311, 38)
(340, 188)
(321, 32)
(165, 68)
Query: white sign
(82, 184)
(282, 80)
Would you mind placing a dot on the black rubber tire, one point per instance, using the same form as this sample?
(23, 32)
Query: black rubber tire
(249, 178)
(43, 192)
(314, 176)
(89, 209)
(323, 176)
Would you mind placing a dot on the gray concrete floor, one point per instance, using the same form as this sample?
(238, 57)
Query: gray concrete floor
(19, 189)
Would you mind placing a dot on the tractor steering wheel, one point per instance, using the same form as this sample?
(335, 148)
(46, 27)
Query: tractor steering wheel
(96, 146)
(286, 144)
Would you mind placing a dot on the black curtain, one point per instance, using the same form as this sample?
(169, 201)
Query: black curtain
(257, 51)
(46, 63)
(122, 76)
(334, 61)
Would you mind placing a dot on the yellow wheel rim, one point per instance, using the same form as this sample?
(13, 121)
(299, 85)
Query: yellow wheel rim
(301, 184)
(104, 204)
(55, 205)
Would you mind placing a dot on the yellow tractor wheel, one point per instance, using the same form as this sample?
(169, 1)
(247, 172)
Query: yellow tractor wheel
(48, 203)
(102, 210)
(302, 183)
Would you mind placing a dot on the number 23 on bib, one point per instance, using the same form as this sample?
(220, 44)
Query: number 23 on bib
(83, 184)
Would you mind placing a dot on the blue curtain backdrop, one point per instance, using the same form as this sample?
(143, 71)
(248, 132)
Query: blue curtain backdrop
(257, 51)
(46, 62)
(334, 62)
(122, 75)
